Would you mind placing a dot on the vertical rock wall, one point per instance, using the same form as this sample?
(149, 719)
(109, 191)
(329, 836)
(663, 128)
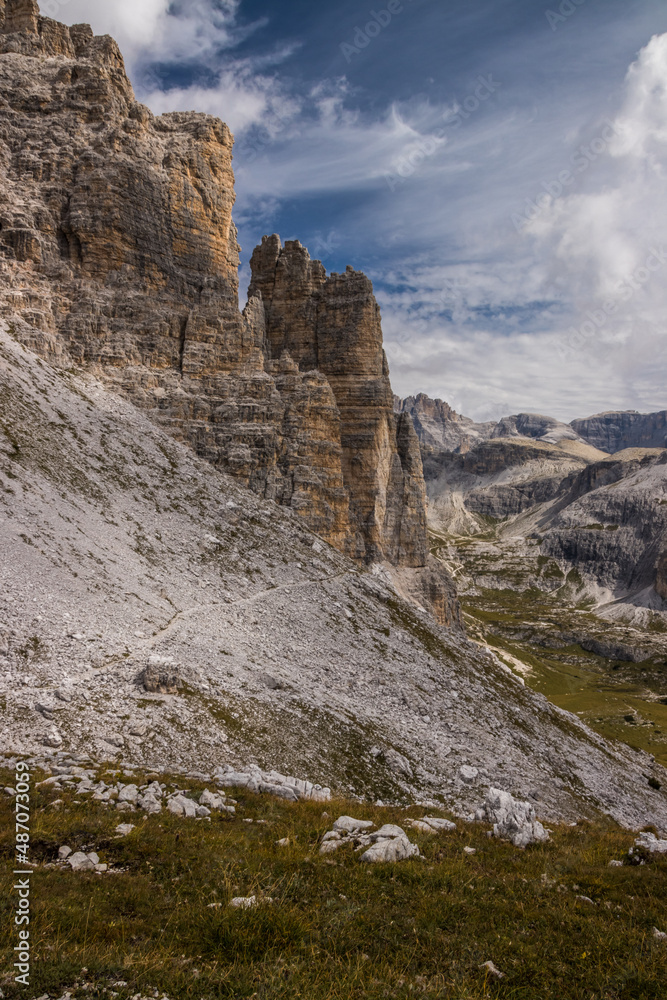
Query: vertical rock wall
(118, 253)
(333, 324)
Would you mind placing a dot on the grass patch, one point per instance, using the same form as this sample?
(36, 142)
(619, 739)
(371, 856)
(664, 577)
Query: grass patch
(337, 928)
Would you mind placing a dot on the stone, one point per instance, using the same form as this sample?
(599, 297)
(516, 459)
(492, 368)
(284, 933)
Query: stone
(128, 793)
(281, 791)
(138, 728)
(202, 812)
(468, 774)
(64, 852)
(124, 807)
(179, 805)
(387, 831)
(615, 864)
(346, 824)
(212, 800)
(124, 829)
(421, 826)
(470, 850)
(249, 902)
(390, 850)
(397, 763)
(329, 846)
(149, 803)
(659, 935)
(101, 868)
(160, 676)
(283, 843)
(331, 835)
(439, 825)
(513, 820)
(80, 862)
(649, 842)
(492, 970)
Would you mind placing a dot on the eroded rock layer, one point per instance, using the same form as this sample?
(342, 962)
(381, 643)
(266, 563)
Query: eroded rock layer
(118, 253)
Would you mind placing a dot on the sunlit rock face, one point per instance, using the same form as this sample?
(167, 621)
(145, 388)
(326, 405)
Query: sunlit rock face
(118, 253)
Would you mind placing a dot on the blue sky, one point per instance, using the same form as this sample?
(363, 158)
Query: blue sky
(499, 169)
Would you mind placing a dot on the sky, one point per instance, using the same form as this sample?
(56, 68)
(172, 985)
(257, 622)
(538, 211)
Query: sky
(498, 168)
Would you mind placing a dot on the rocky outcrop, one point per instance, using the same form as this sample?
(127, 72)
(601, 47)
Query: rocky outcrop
(333, 324)
(615, 431)
(118, 254)
(439, 428)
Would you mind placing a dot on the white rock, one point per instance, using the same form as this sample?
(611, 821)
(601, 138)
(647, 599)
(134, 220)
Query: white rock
(470, 850)
(64, 852)
(123, 829)
(347, 824)
(202, 812)
(493, 971)
(397, 763)
(615, 864)
(138, 728)
(468, 774)
(80, 862)
(101, 868)
(53, 739)
(331, 835)
(247, 902)
(149, 803)
(115, 740)
(213, 801)
(387, 831)
(585, 899)
(281, 791)
(513, 820)
(650, 843)
(659, 935)
(395, 849)
(329, 846)
(181, 806)
(420, 826)
(283, 843)
(128, 793)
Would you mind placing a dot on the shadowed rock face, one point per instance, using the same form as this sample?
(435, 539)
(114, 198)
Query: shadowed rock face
(118, 253)
(613, 431)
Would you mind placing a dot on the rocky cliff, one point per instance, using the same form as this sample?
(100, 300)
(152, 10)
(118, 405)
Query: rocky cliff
(614, 431)
(118, 254)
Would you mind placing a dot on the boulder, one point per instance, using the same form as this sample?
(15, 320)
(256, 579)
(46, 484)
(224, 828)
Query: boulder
(346, 824)
(392, 849)
(513, 820)
(650, 843)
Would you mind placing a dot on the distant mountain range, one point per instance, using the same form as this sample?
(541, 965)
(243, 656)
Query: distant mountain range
(440, 428)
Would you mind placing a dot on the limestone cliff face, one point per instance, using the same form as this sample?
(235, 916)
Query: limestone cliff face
(615, 431)
(118, 253)
(333, 324)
